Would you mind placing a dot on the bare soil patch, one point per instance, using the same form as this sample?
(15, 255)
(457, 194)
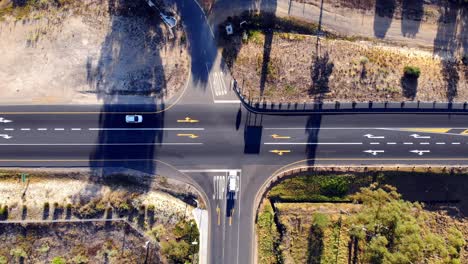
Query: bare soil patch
(300, 68)
(88, 52)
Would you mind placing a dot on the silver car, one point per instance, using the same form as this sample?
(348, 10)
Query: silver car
(133, 119)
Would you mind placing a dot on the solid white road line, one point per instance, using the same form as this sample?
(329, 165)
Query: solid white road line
(211, 170)
(97, 144)
(315, 143)
(157, 128)
(227, 101)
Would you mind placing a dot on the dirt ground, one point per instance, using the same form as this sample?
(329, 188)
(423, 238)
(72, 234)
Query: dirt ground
(299, 69)
(62, 189)
(92, 51)
(95, 242)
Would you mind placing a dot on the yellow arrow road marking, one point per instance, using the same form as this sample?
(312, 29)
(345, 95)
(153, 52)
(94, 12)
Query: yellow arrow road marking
(187, 120)
(464, 132)
(187, 135)
(280, 152)
(219, 215)
(276, 136)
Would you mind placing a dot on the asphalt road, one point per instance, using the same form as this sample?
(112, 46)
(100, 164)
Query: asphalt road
(206, 141)
(208, 134)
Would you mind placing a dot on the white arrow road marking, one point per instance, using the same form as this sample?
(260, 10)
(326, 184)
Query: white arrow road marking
(3, 120)
(418, 136)
(5, 136)
(420, 152)
(374, 152)
(372, 136)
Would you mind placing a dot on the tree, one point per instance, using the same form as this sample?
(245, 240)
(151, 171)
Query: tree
(177, 252)
(394, 230)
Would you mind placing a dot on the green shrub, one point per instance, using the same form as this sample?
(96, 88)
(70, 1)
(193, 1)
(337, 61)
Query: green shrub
(3, 260)
(320, 220)
(157, 232)
(255, 36)
(151, 208)
(58, 260)
(412, 71)
(18, 252)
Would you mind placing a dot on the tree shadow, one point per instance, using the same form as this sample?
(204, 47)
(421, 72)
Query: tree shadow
(24, 213)
(412, 12)
(384, 10)
(129, 57)
(266, 68)
(58, 212)
(202, 44)
(320, 72)
(315, 245)
(451, 77)
(312, 130)
(46, 212)
(446, 42)
(410, 86)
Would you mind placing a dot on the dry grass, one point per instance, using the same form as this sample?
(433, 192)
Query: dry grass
(343, 70)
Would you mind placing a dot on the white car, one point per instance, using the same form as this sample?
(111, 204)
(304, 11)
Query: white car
(169, 20)
(232, 182)
(133, 119)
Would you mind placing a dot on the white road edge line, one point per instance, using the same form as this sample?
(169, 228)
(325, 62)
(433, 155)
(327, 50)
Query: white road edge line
(315, 143)
(124, 129)
(226, 101)
(97, 144)
(210, 170)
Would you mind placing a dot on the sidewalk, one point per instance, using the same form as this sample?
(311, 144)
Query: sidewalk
(349, 22)
(201, 218)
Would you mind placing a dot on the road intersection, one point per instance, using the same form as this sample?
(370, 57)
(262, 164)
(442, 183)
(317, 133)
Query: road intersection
(209, 133)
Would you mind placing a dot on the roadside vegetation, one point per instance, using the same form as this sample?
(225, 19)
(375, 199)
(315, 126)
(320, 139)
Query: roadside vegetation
(290, 64)
(365, 220)
(156, 210)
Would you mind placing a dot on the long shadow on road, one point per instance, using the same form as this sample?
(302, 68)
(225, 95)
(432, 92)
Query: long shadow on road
(129, 56)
